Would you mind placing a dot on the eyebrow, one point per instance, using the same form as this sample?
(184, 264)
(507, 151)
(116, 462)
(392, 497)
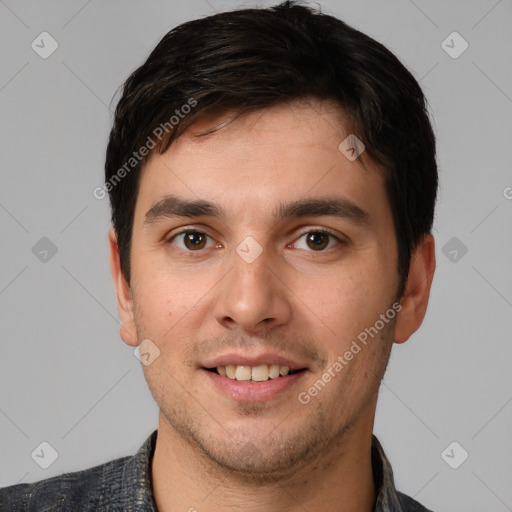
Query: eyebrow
(172, 206)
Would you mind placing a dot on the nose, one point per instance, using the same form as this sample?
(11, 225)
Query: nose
(253, 297)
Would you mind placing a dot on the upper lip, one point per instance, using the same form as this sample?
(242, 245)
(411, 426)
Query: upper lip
(239, 359)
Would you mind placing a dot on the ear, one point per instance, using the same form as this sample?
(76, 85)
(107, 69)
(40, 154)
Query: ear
(417, 290)
(128, 330)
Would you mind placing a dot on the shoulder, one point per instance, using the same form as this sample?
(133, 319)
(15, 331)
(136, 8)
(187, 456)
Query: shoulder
(80, 490)
(388, 498)
(407, 504)
(120, 484)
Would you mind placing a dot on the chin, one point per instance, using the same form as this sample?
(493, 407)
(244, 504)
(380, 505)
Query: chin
(265, 458)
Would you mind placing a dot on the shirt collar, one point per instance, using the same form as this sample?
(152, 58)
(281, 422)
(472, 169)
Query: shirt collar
(136, 493)
(136, 479)
(387, 496)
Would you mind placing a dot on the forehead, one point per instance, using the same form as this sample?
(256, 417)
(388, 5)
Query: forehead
(307, 122)
(288, 151)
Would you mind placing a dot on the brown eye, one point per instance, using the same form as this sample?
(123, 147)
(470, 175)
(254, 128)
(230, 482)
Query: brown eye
(194, 240)
(317, 241)
(191, 240)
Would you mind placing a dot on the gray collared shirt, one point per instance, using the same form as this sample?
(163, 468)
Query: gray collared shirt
(125, 485)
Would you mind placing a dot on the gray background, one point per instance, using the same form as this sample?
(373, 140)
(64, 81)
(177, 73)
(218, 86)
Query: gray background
(66, 377)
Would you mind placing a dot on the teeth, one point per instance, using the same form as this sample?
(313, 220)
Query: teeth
(259, 373)
(230, 371)
(274, 371)
(243, 373)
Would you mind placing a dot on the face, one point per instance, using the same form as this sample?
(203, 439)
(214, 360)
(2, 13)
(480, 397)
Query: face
(292, 260)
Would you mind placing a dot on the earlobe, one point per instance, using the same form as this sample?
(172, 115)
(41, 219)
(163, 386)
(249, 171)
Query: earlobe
(128, 329)
(417, 290)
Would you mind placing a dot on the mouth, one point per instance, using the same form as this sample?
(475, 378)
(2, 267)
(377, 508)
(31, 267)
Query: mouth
(263, 378)
(245, 377)
(254, 374)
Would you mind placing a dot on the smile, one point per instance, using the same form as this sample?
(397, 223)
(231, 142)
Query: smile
(260, 383)
(260, 373)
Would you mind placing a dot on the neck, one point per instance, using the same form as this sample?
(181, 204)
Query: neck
(185, 479)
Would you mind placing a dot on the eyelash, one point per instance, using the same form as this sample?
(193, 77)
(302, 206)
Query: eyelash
(308, 232)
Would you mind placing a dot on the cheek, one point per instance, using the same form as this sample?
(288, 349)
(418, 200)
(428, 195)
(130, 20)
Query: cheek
(160, 291)
(158, 306)
(351, 301)
(169, 308)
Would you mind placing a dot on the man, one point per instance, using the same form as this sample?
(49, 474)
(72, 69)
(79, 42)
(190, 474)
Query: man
(272, 178)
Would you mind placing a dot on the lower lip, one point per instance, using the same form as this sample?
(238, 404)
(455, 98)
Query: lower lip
(244, 391)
